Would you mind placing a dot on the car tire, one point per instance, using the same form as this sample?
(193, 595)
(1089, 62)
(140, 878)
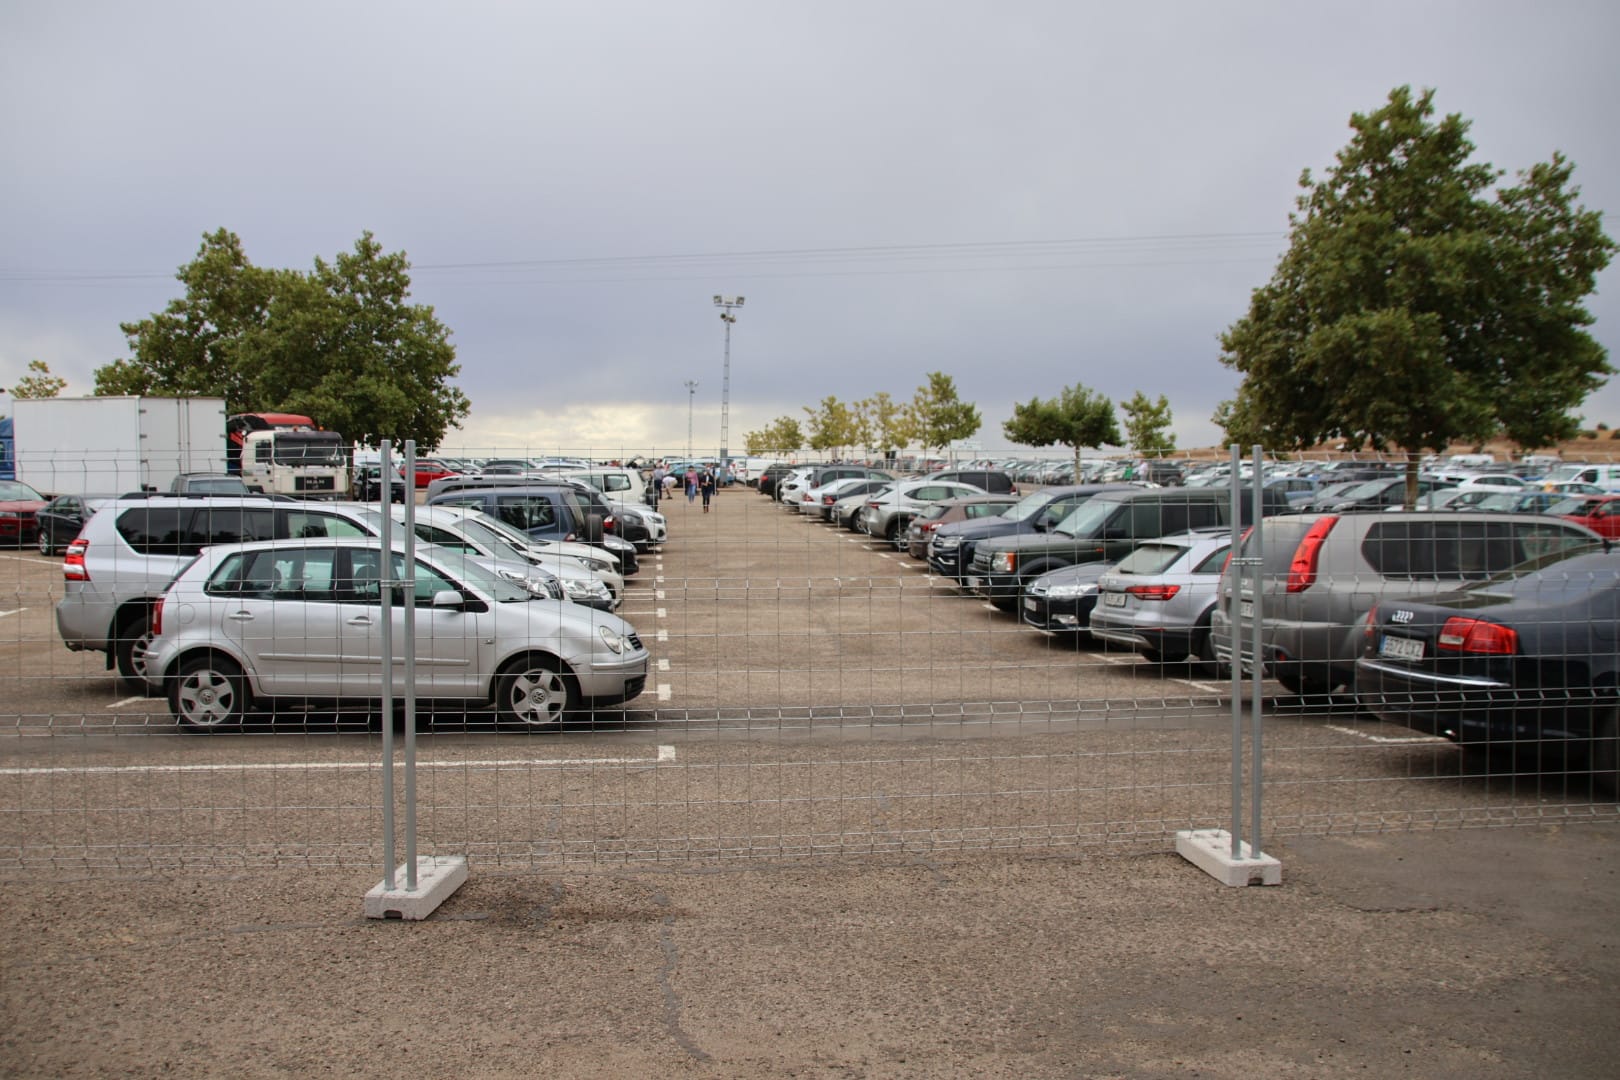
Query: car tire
(130, 645)
(208, 694)
(895, 539)
(42, 541)
(535, 694)
(1605, 750)
(1302, 683)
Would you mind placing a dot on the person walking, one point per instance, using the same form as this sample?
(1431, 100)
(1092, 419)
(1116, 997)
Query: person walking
(691, 485)
(706, 486)
(657, 483)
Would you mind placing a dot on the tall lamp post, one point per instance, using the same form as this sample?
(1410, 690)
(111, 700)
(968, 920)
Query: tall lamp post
(691, 392)
(726, 304)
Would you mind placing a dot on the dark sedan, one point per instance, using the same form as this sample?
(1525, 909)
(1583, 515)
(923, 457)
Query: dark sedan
(1528, 662)
(61, 519)
(951, 550)
(1062, 601)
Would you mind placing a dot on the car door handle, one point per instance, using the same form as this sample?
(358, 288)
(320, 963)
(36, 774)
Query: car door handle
(360, 620)
(241, 616)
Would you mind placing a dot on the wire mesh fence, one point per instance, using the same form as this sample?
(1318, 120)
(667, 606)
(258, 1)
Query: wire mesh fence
(808, 689)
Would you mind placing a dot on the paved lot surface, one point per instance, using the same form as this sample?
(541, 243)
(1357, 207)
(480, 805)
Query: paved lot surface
(1461, 954)
(987, 893)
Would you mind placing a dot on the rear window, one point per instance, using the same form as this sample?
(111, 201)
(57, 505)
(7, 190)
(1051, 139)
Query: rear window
(1151, 559)
(186, 530)
(1464, 550)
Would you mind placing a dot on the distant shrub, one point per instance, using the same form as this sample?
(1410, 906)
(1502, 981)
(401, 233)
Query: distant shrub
(1603, 427)
(1589, 434)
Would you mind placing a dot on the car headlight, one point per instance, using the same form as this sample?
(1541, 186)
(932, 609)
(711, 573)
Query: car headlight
(1003, 562)
(947, 542)
(612, 639)
(586, 590)
(1071, 591)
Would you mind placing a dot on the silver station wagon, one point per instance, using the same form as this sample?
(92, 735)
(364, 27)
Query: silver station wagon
(247, 624)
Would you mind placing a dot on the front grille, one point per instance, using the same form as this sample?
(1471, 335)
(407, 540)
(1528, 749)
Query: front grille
(635, 641)
(981, 562)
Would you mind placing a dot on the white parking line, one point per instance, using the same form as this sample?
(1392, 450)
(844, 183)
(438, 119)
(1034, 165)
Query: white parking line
(1384, 738)
(121, 702)
(665, 753)
(663, 663)
(663, 691)
(13, 611)
(661, 635)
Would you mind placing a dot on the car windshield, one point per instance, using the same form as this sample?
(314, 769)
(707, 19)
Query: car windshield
(1366, 489)
(1569, 507)
(472, 570)
(17, 490)
(1028, 506)
(1088, 518)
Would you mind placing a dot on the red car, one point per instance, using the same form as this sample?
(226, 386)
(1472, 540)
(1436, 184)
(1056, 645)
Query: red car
(431, 469)
(1600, 513)
(19, 512)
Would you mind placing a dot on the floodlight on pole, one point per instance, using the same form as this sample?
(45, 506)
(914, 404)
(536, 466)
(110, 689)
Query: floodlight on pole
(726, 304)
(691, 392)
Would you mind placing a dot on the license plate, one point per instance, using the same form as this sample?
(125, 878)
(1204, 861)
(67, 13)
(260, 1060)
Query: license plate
(973, 583)
(1030, 604)
(1401, 648)
(1113, 599)
(1245, 609)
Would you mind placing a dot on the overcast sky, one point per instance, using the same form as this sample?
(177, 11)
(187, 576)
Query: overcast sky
(1021, 195)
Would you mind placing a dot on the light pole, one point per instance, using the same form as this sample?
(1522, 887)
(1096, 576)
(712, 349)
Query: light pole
(691, 392)
(725, 304)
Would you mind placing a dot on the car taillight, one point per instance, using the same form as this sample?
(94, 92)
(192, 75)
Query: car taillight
(157, 617)
(608, 524)
(1153, 592)
(1475, 636)
(73, 568)
(1302, 572)
(874, 506)
(930, 526)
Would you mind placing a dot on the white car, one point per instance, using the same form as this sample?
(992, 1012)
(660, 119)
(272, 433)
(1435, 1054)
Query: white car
(585, 579)
(246, 624)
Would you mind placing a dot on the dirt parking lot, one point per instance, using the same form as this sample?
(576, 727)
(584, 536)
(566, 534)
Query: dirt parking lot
(859, 825)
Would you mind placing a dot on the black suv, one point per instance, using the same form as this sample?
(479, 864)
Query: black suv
(950, 551)
(990, 481)
(1103, 529)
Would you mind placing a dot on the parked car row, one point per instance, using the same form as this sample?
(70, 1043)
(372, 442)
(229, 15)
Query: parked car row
(272, 597)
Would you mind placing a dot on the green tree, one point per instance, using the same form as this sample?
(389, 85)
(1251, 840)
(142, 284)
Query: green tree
(39, 382)
(1416, 306)
(886, 425)
(936, 417)
(341, 343)
(1076, 418)
(781, 434)
(1147, 425)
(834, 425)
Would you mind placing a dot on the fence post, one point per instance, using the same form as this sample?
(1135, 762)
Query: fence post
(428, 881)
(1219, 852)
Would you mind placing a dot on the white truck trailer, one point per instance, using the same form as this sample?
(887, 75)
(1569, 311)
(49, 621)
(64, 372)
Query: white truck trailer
(113, 445)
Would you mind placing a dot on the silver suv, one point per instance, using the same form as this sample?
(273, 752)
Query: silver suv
(887, 513)
(1323, 572)
(129, 551)
(303, 619)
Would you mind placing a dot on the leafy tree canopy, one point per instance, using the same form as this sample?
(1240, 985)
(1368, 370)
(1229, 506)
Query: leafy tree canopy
(885, 424)
(782, 434)
(936, 417)
(1147, 425)
(341, 343)
(1416, 306)
(834, 425)
(1076, 418)
(39, 382)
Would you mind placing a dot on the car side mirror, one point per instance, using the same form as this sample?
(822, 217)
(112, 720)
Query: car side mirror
(449, 598)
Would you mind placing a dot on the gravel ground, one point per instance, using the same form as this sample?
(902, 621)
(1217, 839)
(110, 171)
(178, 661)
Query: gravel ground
(1467, 954)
